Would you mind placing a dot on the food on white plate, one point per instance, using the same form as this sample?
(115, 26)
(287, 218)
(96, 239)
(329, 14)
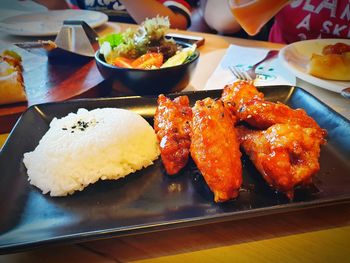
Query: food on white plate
(11, 78)
(333, 63)
(145, 47)
(84, 147)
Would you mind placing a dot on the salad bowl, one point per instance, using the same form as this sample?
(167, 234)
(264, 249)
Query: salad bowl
(145, 61)
(149, 81)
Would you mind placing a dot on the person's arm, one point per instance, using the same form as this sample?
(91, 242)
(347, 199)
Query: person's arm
(218, 16)
(53, 4)
(151, 8)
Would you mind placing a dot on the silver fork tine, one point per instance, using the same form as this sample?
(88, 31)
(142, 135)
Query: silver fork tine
(233, 70)
(237, 73)
(247, 76)
(250, 74)
(240, 73)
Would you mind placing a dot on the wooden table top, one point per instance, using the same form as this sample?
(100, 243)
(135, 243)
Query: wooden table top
(313, 235)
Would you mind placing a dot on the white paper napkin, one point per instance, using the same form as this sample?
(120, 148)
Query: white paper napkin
(271, 72)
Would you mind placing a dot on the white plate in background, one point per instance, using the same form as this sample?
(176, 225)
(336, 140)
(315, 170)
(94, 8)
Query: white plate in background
(48, 23)
(296, 56)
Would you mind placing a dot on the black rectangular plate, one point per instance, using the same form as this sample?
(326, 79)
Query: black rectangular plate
(149, 200)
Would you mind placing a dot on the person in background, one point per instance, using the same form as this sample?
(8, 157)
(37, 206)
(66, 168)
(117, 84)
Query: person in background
(131, 11)
(225, 24)
(298, 20)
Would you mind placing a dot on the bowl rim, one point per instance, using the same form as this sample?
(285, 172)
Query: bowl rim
(104, 63)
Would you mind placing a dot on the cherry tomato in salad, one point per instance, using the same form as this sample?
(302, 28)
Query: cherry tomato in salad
(122, 62)
(148, 61)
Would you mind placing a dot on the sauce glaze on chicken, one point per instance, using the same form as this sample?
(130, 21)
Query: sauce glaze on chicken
(283, 143)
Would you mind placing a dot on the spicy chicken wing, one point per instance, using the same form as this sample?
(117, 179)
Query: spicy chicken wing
(215, 148)
(236, 95)
(172, 125)
(249, 105)
(285, 154)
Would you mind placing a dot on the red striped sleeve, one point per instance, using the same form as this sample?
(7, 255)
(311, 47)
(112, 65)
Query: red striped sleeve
(179, 6)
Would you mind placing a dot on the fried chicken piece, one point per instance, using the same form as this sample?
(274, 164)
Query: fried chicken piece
(236, 95)
(215, 148)
(263, 114)
(249, 105)
(172, 126)
(285, 154)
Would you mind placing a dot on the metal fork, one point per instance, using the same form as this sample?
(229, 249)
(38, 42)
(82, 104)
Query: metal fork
(250, 73)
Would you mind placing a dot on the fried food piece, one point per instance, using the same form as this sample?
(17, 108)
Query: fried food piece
(285, 154)
(330, 66)
(263, 114)
(236, 95)
(172, 125)
(12, 88)
(215, 148)
(249, 105)
(333, 63)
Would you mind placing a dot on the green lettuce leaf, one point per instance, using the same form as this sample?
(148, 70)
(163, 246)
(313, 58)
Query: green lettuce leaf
(113, 39)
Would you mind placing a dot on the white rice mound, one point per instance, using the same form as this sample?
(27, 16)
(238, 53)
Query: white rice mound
(69, 157)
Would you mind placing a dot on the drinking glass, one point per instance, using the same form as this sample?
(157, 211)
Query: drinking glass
(252, 15)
